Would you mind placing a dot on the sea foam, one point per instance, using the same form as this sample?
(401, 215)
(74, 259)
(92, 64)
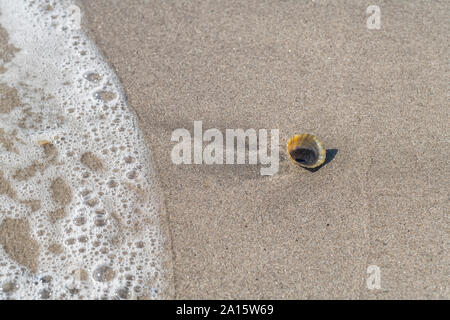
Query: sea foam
(81, 214)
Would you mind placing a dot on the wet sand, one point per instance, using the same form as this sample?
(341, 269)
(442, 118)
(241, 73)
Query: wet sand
(81, 215)
(379, 97)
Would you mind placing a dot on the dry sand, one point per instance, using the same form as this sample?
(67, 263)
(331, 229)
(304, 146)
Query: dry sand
(377, 96)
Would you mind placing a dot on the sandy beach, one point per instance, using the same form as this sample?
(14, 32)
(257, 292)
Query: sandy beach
(377, 96)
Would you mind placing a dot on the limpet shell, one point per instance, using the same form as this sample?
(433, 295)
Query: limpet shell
(306, 150)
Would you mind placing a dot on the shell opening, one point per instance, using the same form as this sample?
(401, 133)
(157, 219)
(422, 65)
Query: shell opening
(304, 156)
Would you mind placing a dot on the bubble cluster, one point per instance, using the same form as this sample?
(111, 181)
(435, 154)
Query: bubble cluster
(76, 171)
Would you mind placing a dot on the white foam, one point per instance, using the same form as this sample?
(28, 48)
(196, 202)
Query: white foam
(114, 231)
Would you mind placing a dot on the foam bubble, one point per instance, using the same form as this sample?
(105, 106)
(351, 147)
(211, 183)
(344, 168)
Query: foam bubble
(77, 169)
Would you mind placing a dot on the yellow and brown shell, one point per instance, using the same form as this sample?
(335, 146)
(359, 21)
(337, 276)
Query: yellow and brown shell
(306, 150)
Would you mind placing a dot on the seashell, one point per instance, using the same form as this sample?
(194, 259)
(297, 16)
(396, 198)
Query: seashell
(306, 150)
(43, 142)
